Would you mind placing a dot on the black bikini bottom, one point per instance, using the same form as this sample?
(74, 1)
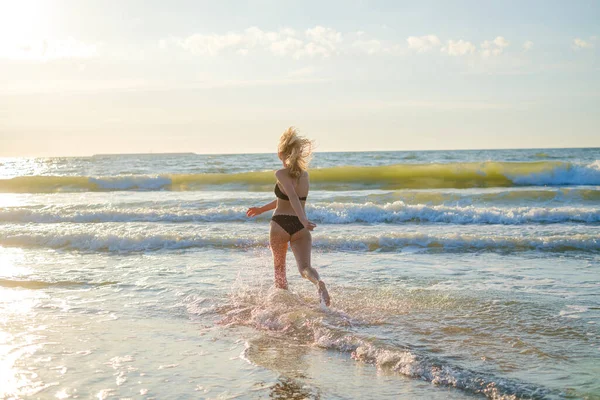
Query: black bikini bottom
(290, 223)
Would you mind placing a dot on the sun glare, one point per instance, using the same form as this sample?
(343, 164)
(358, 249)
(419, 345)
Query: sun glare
(10, 200)
(25, 27)
(15, 305)
(24, 19)
(15, 381)
(8, 263)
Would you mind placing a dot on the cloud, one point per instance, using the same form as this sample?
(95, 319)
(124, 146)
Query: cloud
(75, 86)
(48, 49)
(365, 44)
(494, 47)
(281, 43)
(438, 105)
(458, 48)
(324, 42)
(286, 46)
(423, 43)
(301, 72)
(321, 41)
(528, 45)
(579, 43)
(326, 37)
(372, 46)
(315, 42)
(209, 44)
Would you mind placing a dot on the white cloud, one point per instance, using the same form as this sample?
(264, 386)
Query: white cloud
(317, 42)
(579, 43)
(369, 46)
(437, 105)
(321, 41)
(210, 44)
(494, 47)
(528, 45)
(459, 48)
(280, 43)
(423, 43)
(286, 46)
(325, 37)
(501, 42)
(48, 49)
(312, 50)
(288, 32)
(375, 46)
(144, 85)
(324, 42)
(306, 71)
(254, 36)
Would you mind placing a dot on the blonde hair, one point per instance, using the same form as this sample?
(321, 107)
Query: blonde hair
(295, 150)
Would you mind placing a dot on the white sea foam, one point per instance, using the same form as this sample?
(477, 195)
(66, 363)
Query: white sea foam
(294, 318)
(329, 213)
(564, 174)
(141, 239)
(399, 212)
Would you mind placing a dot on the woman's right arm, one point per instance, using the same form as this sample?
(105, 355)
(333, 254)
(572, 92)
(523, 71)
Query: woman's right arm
(255, 211)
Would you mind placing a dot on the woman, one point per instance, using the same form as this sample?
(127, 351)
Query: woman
(289, 222)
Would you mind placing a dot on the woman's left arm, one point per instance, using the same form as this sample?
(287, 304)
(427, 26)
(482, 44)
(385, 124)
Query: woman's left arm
(255, 211)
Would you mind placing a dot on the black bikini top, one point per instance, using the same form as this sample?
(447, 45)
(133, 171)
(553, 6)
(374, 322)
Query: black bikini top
(284, 196)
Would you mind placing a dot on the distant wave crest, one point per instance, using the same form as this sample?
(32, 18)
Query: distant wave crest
(400, 176)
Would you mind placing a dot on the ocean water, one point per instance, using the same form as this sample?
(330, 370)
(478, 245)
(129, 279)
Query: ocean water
(453, 275)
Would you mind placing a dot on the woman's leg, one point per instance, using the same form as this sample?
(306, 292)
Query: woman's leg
(301, 243)
(278, 240)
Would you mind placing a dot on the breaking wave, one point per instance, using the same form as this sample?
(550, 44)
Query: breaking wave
(127, 241)
(402, 176)
(327, 213)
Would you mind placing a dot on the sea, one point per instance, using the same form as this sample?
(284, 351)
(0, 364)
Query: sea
(453, 275)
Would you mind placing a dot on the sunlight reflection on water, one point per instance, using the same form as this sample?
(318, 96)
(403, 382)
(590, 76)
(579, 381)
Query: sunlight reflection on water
(19, 335)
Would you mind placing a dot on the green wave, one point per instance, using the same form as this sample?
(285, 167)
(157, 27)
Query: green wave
(400, 176)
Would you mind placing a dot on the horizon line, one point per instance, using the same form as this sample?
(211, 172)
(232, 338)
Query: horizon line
(272, 152)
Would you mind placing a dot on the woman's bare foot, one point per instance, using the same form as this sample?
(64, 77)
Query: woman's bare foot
(323, 294)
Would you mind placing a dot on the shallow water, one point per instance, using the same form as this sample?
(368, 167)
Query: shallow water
(437, 292)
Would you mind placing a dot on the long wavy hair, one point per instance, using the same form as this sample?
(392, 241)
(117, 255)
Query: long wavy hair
(295, 151)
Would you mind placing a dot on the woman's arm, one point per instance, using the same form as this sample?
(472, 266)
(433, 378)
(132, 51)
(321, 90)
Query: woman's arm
(288, 185)
(255, 211)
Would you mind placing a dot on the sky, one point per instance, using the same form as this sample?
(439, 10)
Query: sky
(129, 76)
